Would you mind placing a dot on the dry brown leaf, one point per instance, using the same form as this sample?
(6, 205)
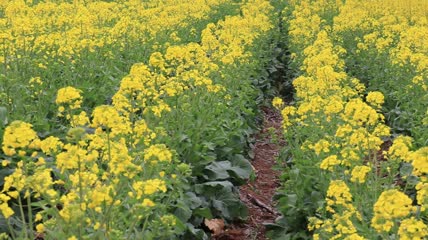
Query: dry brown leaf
(216, 226)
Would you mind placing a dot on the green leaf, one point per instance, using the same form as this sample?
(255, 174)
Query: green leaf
(212, 189)
(291, 199)
(183, 137)
(230, 207)
(183, 212)
(194, 233)
(412, 180)
(241, 168)
(406, 169)
(211, 146)
(217, 170)
(223, 199)
(192, 200)
(3, 225)
(3, 117)
(180, 226)
(203, 212)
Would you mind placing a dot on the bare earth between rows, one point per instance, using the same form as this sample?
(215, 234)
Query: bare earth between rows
(257, 194)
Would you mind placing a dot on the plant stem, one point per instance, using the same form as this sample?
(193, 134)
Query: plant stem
(145, 224)
(21, 209)
(80, 193)
(30, 215)
(11, 229)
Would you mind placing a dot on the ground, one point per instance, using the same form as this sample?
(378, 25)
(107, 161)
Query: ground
(257, 193)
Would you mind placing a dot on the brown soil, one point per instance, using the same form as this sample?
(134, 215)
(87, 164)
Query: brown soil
(257, 194)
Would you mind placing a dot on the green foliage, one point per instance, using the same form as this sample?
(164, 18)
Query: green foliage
(210, 131)
(405, 105)
(320, 171)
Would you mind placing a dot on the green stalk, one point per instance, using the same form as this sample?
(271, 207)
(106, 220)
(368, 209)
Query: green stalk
(80, 194)
(30, 215)
(145, 224)
(12, 232)
(21, 209)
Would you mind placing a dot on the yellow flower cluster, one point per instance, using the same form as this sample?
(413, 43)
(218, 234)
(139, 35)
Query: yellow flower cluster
(67, 99)
(277, 102)
(93, 168)
(391, 205)
(393, 27)
(338, 194)
(146, 87)
(338, 123)
(326, 95)
(51, 145)
(422, 195)
(359, 174)
(391, 36)
(329, 162)
(375, 98)
(110, 170)
(108, 118)
(69, 96)
(18, 138)
(4, 207)
(157, 152)
(412, 229)
(68, 29)
(339, 204)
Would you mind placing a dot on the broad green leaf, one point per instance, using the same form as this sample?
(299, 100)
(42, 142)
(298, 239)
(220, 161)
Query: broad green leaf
(203, 212)
(194, 233)
(183, 212)
(406, 169)
(241, 167)
(217, 170)
(192, 200)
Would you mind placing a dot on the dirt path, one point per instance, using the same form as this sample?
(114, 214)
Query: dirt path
(257, 194)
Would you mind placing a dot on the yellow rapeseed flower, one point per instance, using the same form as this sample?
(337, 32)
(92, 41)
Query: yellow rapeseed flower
(157, 152)
(359, 174)
(391, 205)
(277, 103)
(148, 203)
(330, 162)
(40, 228)
(412, 228)
(69, 96)
(4, 207)
(376, 99)
(18, 135)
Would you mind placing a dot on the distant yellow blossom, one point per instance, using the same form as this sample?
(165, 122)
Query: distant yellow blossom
(69, 96)
(157, 152)
(277, 103)
(40, 228)
(359, 174)
(375, 98)
(330, 162)
(147, 203)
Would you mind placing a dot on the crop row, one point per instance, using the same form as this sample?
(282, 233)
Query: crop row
(162, 157)
(90, 45)
(348, 176)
